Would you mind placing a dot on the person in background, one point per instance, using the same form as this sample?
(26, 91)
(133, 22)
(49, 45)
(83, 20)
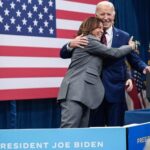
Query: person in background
(111, 111)
(82, 88)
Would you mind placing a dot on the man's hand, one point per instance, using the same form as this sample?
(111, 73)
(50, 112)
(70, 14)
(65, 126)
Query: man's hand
(132, 43)
(146, 70)
(79, 41)
(129, 85)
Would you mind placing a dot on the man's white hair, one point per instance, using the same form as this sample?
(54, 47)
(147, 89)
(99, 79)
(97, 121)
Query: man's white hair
(105, 3)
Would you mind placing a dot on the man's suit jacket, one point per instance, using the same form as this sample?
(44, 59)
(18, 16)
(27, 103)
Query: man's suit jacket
(82, 82)
(114, 70)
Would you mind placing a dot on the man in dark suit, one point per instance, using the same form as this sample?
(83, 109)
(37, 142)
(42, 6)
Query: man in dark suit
(111, 111)
(82, 88)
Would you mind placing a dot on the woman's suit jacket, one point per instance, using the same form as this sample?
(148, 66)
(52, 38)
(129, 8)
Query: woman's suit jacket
(82, 82)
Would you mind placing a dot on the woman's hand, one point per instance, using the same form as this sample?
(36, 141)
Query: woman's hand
(79, 41)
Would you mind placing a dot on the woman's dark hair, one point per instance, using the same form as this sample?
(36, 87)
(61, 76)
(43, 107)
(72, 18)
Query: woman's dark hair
(89, 25)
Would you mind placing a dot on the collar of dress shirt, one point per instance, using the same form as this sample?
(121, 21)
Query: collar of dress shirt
(109, 36)
(110, 31)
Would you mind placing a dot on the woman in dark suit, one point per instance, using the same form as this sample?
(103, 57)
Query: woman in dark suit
(81, 88)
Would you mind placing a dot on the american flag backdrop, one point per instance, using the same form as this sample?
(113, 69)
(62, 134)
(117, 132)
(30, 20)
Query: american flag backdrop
(31, 35)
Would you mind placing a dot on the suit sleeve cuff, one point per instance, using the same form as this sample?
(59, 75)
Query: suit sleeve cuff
(69, 48)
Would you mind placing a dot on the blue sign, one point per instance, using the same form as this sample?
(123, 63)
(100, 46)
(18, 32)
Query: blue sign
(137, 136)
(64, 139)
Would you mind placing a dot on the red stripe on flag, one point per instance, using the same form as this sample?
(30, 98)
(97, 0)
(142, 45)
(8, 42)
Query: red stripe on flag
(62, 14)
(32, 72)
(66, 33)
(19, 94)
(94, 2)
(29, 51)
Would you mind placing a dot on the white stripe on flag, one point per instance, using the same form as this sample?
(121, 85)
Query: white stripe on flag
(23, 83)
(75, 7)
(33, 62)
(31, 41)
(68, 24)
